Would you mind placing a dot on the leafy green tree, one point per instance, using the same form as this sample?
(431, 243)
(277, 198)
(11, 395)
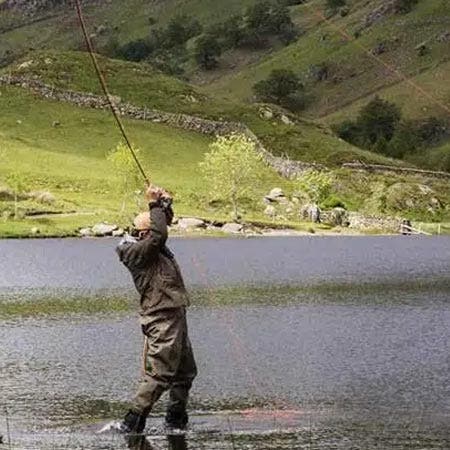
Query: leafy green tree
(232, 169)
(335, 4)
(313, 185)
(259, 17)
(16, 182)
(123, 164)
(136, 50)
(179, 30)
(378, 120)
(282, 87)
(406, 140)
(207, 50)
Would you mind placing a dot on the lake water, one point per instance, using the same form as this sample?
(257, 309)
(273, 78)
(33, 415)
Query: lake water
(361, 364)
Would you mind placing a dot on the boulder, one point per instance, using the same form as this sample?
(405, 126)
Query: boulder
(6, 194)
(311, 212)
(118, 233)
(43, 197)
(85, 232)
(285, 119)
(191, 223)
(275, 195)
(270, 211)
(338, 217)
(233, 228)
(35, 230)
(103, 229)
(25, 65)
(266, 113)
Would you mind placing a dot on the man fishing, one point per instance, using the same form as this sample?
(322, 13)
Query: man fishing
(168, 358)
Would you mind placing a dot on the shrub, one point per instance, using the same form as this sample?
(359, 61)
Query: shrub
(232, 169)
(404, 6)
(378, 120)
(282, 87)
(136, 50)
(335, 4)
(333, 202)
(207, 50)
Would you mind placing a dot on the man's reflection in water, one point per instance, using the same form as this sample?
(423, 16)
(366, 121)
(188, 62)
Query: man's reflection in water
(176, 442)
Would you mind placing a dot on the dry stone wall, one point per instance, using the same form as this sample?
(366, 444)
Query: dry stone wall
(394, 169)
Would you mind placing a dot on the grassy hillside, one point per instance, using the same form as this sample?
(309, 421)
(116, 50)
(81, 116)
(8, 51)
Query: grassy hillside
(354, 71)
(70, 161)
(141, 85)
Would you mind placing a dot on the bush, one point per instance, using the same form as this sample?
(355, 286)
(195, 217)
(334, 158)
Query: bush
(207, 50)
(333, 202)
(136, 50)
(282, 87)
(335, 4)
(378, 120)
(404, 6)
(232, 169)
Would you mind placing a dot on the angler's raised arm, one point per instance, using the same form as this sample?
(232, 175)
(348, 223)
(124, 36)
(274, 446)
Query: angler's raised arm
(152, 226)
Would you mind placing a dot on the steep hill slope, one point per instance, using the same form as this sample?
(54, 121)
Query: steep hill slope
(139, 84)
(385, 54)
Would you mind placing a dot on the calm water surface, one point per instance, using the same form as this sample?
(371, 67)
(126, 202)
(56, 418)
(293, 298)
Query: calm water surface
(352, 370)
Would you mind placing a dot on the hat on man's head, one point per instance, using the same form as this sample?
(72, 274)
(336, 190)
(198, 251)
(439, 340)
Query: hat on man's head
(142, 221)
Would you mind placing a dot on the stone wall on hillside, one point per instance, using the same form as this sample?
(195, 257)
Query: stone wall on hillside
(284, 166)
(394, 169)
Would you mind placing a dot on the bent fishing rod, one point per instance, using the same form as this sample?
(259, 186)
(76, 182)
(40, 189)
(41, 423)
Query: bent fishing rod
(105, 89)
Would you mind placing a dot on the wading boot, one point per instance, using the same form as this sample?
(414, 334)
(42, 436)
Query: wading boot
(176, 420)
(133, 423)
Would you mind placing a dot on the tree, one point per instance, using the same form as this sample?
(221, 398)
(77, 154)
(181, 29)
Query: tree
(378, 120)
(136, 50)
(282, 87)
(16, 183)
(335, 4)
(314, 185)
(207, 50)
(126, 170)
(232, 169)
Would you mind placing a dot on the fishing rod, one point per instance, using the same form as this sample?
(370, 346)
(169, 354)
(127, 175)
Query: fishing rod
(104, 86)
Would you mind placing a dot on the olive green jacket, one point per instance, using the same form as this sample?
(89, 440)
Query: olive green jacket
(155, 272)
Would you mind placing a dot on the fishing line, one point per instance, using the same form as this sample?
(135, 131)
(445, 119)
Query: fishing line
(343, 32)
(104, 86)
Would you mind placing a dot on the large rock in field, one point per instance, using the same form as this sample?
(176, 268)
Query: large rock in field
(191, 223)
(103, 229)
(6, 194)
(233, 228)
(85, 232)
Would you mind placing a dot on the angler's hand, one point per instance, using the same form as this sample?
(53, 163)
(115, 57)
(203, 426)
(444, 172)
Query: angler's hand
(155, 193)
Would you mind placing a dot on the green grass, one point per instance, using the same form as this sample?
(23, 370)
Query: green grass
(70, 162)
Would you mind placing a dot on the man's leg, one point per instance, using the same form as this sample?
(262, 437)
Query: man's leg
(164, 331)
(179, 390)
